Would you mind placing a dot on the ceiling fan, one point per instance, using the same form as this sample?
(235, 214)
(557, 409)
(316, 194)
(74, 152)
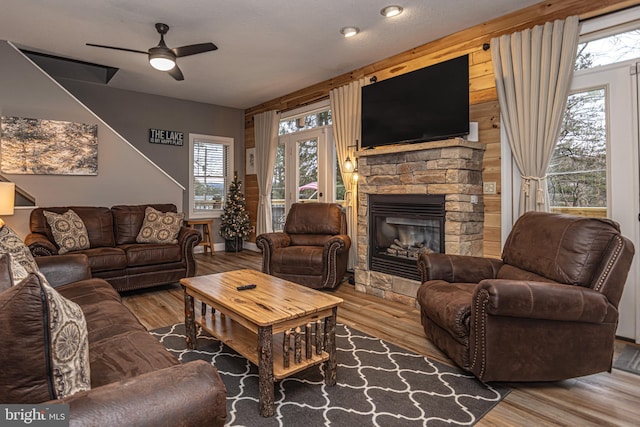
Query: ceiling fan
(162, 57)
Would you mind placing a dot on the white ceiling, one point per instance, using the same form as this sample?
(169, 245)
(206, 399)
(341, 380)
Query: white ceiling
(266, 48)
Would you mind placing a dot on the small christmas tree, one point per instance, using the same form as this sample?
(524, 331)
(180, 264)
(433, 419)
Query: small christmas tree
(234, 221)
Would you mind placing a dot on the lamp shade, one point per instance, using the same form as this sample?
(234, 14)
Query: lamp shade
(348, 164)
(7, 197)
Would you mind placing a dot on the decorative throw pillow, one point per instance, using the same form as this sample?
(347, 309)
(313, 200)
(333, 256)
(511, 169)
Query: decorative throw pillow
(68, 231)
(160, 227)
(22, 262)
(69, 341)
(6, 278)
(45, 352)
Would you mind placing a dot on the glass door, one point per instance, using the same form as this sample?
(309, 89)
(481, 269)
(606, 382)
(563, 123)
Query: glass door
(595, 168)
(594, 171)
(305, 169)
(308, 177)
(304, 154)
(296, 177)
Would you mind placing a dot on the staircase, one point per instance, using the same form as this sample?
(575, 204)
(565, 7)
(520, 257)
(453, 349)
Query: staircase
(22, 197)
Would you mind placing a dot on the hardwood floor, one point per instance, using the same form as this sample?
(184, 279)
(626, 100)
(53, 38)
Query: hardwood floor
(606, 399)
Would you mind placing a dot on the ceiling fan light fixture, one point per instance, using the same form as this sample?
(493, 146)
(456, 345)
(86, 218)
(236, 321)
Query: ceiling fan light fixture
(349, 31)
(162, 59)
(391, 11)
(162, 64)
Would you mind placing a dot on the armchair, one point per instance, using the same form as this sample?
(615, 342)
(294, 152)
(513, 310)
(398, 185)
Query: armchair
(547, 311)
(313, 248)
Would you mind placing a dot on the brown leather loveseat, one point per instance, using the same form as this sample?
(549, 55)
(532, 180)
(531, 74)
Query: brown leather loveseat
(313, 249)
(134, 380)
(547, 311)
(114, 254)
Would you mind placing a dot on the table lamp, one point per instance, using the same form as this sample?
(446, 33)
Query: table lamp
(7, 199)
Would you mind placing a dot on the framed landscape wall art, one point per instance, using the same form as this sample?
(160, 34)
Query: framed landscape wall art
(48, 147)
(250, 167)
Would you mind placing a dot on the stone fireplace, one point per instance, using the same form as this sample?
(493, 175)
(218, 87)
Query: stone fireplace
(448, 170)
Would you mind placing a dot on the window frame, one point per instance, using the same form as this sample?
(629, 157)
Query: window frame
(209, 139)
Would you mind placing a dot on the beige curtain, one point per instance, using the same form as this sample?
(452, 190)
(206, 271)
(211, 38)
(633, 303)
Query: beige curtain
(533, 70)
(346, 116)
(266, 136)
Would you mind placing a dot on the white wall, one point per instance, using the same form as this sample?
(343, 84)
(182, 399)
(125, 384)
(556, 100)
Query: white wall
(125, 176)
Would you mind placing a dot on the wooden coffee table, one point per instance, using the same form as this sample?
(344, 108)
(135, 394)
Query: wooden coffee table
(293, 326)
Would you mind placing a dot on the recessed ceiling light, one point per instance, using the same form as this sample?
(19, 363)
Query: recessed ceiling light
(349, 31)
(390, 11)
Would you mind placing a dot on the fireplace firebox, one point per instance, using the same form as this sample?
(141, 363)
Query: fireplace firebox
(401, 227)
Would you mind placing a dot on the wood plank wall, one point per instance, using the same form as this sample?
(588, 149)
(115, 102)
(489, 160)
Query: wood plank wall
(483, 97)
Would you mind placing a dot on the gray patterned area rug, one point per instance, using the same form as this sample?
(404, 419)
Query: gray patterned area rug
(629, 360)
(379, 384)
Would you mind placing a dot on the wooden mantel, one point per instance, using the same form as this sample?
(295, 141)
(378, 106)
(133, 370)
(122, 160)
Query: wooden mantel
(403, 148)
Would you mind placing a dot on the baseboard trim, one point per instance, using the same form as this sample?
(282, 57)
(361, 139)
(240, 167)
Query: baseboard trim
(219, 247)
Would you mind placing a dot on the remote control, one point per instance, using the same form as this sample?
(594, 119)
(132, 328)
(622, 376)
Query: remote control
(245, 287)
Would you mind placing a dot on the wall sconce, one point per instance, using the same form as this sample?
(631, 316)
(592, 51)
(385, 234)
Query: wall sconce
(7, 199)
(348, 163)
(352, 166)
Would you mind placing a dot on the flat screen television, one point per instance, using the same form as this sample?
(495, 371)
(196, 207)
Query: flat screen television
(428, 104)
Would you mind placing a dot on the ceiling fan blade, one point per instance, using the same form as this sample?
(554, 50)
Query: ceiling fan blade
(193, 49)
(176, 73)
(116, 48)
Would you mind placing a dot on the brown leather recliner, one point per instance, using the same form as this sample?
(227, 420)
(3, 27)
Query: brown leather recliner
(547, 311)
(312, 250)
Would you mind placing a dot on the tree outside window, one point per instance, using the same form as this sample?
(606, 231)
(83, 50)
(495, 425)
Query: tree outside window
(577, 172)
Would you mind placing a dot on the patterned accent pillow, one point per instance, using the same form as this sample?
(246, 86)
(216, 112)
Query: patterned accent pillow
(49, 336)
(69, 342)
(160, 227)
(6, 279)
(22, 262)
(68, 231)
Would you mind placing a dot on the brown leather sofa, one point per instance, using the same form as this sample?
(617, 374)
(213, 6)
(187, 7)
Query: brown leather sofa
(114, 254)
(547, 311)
(135, 381)
(312, 250)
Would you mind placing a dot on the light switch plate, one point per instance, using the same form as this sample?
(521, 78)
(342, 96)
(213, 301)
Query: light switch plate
(489, 187)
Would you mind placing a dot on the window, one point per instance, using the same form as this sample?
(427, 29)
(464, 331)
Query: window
(211, 174)
(310, 120)
(278, 192)
(609, 49)
(577, 174)
(340, 187)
